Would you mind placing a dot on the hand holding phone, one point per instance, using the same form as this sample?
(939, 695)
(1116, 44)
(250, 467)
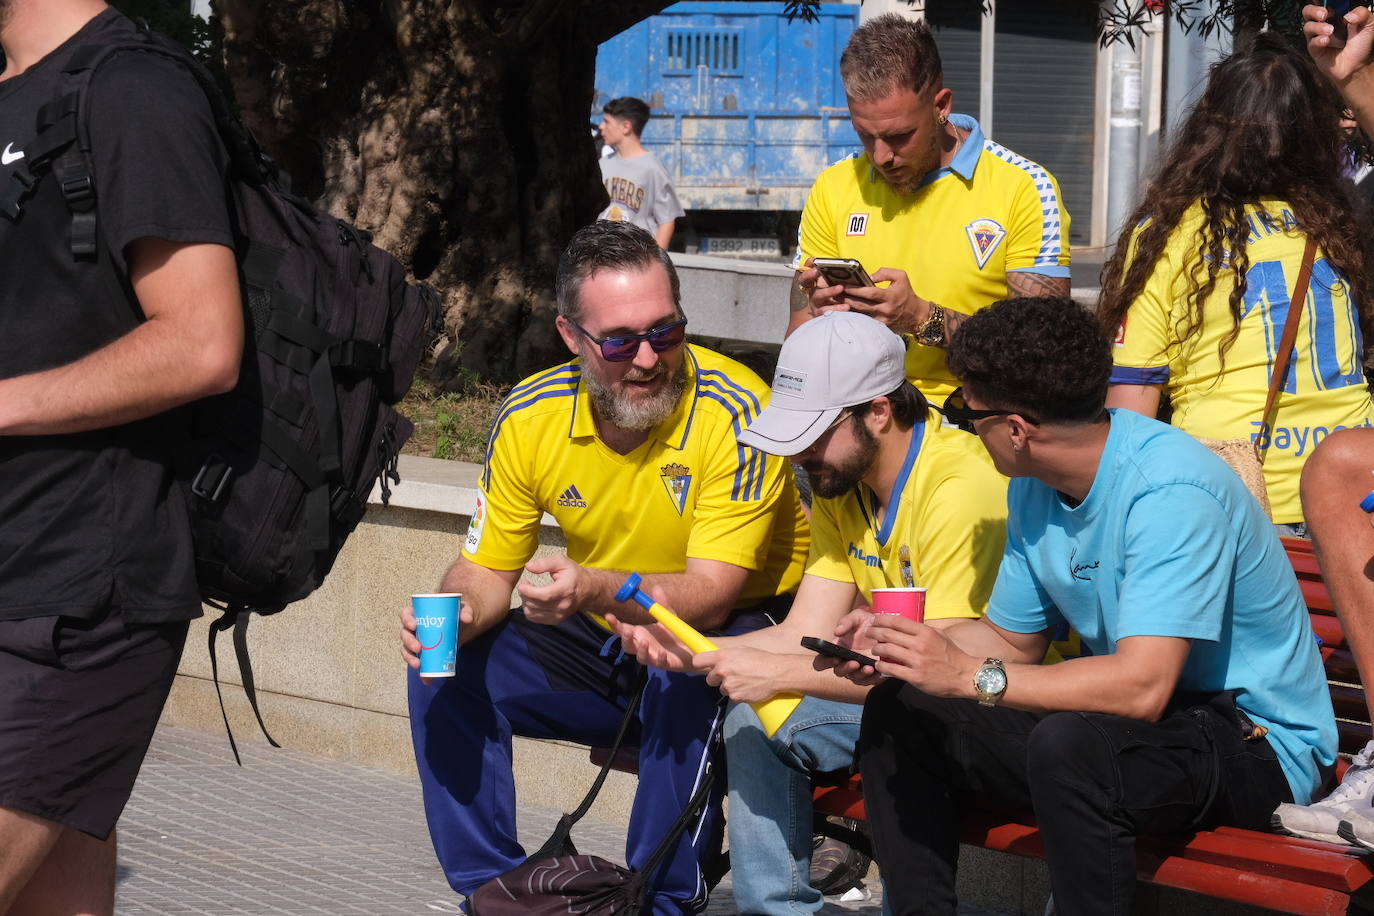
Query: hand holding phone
(845, 272)
(1335, 16)
(825, 647)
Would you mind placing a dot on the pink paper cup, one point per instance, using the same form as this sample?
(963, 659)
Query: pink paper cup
(904, 602)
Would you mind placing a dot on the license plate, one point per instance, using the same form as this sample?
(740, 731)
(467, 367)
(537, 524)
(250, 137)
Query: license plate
(737, 246)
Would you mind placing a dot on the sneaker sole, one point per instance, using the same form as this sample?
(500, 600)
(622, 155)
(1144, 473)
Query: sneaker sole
(1347, 832)
(1338, 837)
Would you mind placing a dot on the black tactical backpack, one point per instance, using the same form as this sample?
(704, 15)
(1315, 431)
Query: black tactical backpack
(279, 470)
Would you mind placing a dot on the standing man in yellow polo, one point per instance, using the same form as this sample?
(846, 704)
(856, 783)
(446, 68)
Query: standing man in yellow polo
(632, 447)
(945, 220)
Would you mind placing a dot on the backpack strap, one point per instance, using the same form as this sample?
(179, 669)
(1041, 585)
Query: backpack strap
(559, 843)
(641, 885)
(62, 144)
(237, 617)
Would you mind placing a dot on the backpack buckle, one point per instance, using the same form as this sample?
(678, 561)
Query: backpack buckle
(78, 189)
(358, 355)
(212, 479)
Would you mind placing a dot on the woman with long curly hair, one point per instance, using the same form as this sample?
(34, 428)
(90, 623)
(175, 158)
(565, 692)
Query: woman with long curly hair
(1199, 285)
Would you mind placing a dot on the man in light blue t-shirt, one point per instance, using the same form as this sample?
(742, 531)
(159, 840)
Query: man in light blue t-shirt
(1203, 701)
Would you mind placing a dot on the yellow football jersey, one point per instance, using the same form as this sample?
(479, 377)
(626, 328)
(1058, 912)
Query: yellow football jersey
(691, 490)
(950, 511)
(957, 237)
(1222, 399)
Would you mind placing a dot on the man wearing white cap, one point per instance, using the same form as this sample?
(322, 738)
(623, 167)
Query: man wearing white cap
(891, 482)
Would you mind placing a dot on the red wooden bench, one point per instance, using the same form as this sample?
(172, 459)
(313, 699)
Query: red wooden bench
(1262, 869)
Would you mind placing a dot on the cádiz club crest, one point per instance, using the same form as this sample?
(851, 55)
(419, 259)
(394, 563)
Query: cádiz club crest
(677, 481)
(984, 235)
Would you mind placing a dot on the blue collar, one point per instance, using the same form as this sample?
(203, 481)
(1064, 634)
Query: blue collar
(965, 161)
(868, 500)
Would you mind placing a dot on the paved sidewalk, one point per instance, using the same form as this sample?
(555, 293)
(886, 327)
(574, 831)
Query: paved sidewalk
(299, 834)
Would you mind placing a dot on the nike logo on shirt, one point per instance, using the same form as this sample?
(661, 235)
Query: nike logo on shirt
(9, 156)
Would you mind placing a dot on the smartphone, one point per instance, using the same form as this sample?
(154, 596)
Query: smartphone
(842, 271)
(1335, 15)
(825, 647)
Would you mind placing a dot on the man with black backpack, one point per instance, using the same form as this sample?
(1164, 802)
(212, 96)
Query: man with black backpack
(98, 343)
(631, 447)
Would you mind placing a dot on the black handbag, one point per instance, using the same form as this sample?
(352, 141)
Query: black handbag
(558, 880)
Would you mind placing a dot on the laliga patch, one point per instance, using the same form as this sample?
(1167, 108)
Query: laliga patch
(857, 225)
(677, 481)
(479, 519)
(1121, 334)
(790, 382)
(984, 235)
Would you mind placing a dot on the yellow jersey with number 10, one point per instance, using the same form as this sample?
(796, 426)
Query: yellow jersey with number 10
(1221, 397)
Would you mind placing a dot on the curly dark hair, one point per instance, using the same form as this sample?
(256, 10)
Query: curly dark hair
(1266, 126)
(1047, 357)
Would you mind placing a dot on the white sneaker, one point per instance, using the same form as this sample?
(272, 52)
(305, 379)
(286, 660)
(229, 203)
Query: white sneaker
(1350, 804)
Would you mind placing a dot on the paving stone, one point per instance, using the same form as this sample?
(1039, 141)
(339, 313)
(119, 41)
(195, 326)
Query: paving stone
(296, 834)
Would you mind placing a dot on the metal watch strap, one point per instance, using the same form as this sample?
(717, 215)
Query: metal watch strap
(931, 333)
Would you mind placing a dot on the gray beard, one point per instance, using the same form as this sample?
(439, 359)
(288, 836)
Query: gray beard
(641, 415)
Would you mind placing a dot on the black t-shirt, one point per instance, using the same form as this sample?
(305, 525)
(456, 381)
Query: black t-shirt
(93, 519)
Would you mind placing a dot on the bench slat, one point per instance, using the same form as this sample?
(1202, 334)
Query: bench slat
(1243, 887)
(1324, 865)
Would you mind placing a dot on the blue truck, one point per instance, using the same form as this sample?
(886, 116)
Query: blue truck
(747, 109)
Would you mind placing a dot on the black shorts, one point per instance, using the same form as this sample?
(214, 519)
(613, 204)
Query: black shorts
(79, 700)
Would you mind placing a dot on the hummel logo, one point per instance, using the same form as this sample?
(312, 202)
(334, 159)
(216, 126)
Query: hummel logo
(9, 156)
(572, 499)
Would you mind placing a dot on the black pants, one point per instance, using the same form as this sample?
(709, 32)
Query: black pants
(1095, 782)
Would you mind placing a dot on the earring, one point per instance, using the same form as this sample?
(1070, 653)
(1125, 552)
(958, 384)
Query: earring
(943, 120)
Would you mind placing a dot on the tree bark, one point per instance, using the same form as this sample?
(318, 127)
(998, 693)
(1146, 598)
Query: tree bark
(457, 131)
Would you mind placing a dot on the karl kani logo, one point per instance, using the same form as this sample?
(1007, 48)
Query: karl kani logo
(1075, 568)
(868, 559)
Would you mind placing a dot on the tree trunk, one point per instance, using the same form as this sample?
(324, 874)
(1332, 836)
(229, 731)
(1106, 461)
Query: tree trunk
(455, 130)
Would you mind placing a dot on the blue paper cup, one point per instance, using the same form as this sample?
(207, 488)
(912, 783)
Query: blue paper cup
(436, 618)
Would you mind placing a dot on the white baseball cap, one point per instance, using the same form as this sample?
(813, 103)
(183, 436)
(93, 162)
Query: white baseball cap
(831, 362)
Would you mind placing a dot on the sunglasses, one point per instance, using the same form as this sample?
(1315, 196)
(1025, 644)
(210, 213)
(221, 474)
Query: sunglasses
(957, 412)
(622, 347)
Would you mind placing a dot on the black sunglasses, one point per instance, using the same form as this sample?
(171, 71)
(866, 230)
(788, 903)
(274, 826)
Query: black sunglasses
(957, 411)
(622, 347)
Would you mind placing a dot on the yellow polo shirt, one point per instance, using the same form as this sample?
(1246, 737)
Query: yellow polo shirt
(950, 511)
(1221, 398)
(957, 237)
(690, 490)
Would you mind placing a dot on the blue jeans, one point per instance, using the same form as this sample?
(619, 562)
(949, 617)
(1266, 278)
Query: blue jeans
(770, 800)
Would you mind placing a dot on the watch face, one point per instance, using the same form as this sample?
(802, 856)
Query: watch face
(990, 680)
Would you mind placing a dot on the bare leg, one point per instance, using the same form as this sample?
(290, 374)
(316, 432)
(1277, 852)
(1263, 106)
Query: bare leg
(76, 879)
(1335, 479)
(25, 841)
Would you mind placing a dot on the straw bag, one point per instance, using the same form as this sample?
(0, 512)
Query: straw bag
(1244, 456)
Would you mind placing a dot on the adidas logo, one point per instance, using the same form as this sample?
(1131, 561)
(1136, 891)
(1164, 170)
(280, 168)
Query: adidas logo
(572, 499)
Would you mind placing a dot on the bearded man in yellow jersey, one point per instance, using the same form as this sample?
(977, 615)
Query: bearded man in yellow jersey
(892, 484)
(945, 220)
(631, 447)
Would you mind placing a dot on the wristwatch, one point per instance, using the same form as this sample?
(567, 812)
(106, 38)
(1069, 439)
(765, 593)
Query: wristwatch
(990, 682)
(931, 333)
